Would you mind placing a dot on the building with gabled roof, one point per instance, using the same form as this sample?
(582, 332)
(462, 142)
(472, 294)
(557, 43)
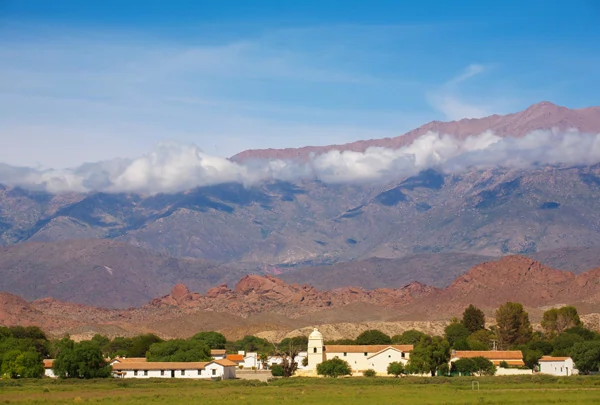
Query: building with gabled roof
(512, 358)
(222, 368)
(560, 366)
(359, 357)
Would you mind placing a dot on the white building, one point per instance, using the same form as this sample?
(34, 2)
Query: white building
(48, 372)
(512, 358)
(359, 357)
(222, 368)
(559, 366)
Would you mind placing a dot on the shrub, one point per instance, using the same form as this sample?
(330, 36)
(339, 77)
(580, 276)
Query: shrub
(369, 373)
(334, 368)
(503, 364)
(305, 361)
(276, 370)
(395, 368)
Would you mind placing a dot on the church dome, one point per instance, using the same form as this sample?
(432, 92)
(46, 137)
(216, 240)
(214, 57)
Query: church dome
(315, 334)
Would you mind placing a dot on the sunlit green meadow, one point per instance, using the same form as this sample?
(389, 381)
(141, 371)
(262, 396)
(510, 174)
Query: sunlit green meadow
(457, 390)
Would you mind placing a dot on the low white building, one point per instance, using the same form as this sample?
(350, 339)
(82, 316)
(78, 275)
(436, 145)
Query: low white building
(48, 364)
(512, 358)
(222, 368)
(359, 357)
(559, 366)
(251, 360)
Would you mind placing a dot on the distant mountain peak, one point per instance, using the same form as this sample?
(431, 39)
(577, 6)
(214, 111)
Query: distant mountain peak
(540, 116)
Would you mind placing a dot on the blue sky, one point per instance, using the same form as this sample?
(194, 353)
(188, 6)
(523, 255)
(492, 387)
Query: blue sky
(90, 80)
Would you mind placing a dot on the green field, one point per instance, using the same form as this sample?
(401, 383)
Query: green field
(457, 390)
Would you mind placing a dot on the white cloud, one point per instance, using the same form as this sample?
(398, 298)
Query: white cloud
(173, 167)
(449, 102)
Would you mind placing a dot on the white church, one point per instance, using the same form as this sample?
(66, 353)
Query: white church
(359, 357)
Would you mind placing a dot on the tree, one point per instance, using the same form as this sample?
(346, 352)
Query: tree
(564, 342)
(479, 340)
(408, 337)
(484, 366)
(276, 370)
(464, 366)
(513, 326)
(300, 342)
(456, 332)
(555, 321)
(288, 355)
(29, 364)
(473, 319)
(82, 360)
(141, 344)
(335, 367)
(373, 337)
(584, 332)
(586, 356)
(428, 355)
(102, 342)
(214, 340)
(119, 346)
(252, 344)
(179, 350)
(395, 368)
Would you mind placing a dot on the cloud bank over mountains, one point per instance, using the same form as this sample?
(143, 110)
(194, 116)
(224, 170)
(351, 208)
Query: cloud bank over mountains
(173, 167)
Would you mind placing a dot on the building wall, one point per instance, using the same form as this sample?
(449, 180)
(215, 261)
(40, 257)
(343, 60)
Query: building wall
(559, 368)
(513, 371)
(362, 362)
(211, 371)
(49, 373)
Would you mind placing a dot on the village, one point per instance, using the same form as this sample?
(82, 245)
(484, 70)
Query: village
(361, 358)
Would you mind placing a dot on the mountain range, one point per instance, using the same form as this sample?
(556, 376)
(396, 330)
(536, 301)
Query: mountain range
(266, 303)
(119, 250)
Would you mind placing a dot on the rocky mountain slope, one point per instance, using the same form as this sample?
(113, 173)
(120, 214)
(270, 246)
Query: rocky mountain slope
(269, 304)
(103, 273)
(544, 115)
(485, 212)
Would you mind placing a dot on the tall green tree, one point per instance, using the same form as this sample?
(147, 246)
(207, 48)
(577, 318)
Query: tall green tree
(480, 340)
(556, 321)
(82, 360)
(214, 340)
(456, 332)
(373, 337)
(429, 355)
(179, 350)
(586, 356)
(141, 344)
(473, 319)
(408, 337)
(512, 325)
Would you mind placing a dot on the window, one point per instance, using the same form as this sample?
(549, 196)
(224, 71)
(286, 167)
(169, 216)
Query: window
(134, 372)
(366, 354)
(199, 372)
(389, 356)
(162, 372)
(402, 355)
(182, 372)
(314, 350)
(214, 371)
(145, 372)
(345, 353)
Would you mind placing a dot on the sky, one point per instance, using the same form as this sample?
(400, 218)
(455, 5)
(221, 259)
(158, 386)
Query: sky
(86, 81)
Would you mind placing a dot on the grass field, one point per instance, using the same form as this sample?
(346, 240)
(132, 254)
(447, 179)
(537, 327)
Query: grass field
(457, 390)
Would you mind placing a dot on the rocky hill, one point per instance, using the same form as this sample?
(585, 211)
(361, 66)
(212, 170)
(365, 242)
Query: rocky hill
(544, 115)
(101, 272)
(265, 303)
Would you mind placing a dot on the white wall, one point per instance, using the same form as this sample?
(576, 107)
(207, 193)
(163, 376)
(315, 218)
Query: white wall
(210, 371)
(559, 368)
(360, 362)
(49, 373)
(513, 371)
